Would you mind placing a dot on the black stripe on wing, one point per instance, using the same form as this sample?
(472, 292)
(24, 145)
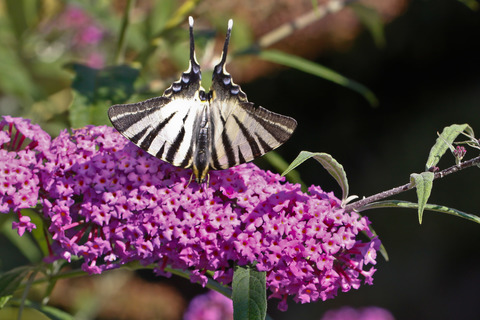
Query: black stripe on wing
(125, 116)
(279, 126)
(255, 131)
(170, 156)
(147, 141)
(250, 139)
(227, 145)
(160, 152)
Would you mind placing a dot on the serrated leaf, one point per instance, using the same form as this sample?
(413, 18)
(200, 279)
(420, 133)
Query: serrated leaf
(423, 184)
(444, 141)
(428, 206)
(96, 90)
(249, 294)
(318, 70)
(10, 280)
(329, 163)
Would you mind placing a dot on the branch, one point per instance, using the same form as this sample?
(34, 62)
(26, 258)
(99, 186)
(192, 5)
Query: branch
(356, 206)
(301, 22)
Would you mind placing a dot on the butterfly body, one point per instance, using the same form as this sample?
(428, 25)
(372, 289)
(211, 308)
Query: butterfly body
(191, 128)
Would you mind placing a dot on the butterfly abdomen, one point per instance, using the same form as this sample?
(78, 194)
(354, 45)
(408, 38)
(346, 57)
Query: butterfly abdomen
(202, 144)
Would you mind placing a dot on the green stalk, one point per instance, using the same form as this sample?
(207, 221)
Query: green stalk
(120, 51)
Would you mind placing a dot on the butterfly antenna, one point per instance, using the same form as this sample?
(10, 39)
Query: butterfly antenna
(193, 59)
(225, 46)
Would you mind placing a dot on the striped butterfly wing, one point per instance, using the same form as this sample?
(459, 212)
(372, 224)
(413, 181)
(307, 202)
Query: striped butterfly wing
(249, 132)
(163, 126)
(241, 130)
(160, 126)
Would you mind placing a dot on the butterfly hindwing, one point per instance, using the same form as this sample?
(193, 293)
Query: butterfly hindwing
(248, 132)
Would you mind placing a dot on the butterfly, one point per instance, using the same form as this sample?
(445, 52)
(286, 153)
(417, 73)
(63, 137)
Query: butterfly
(191, 128)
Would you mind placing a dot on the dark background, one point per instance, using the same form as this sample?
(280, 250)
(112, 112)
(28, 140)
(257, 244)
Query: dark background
(427, 77)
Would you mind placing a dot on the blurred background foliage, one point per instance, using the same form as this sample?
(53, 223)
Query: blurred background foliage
(406, 69)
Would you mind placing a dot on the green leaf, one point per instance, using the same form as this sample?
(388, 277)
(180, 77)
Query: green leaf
(159, 15)
(16, 78)
(444, 142)
(83, 113)
(329, 163)
(428, 206)
(249, 294)
(121, 43)
(4, 300)
(423, 183)
(16, 12)
(472, 4)
(181, 13)
(49, 311)
(372, 20)
(96, 90)
(24, 244)
(38, 234)
(27, 314)
(10, 280)
(316, 69)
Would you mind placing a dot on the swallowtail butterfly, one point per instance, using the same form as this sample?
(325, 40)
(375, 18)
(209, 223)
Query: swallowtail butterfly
(191, 128)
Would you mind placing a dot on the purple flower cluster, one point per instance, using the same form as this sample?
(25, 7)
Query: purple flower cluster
(110, 203)
(22, 152)
(209, 306)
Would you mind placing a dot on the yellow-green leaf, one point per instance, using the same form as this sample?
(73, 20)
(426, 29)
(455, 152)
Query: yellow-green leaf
(329, 163)
(316, 69)
(444, 142)
(423, 183)
(428, 206)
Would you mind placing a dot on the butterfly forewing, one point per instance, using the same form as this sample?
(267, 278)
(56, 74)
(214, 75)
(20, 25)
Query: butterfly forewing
(159, 126)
